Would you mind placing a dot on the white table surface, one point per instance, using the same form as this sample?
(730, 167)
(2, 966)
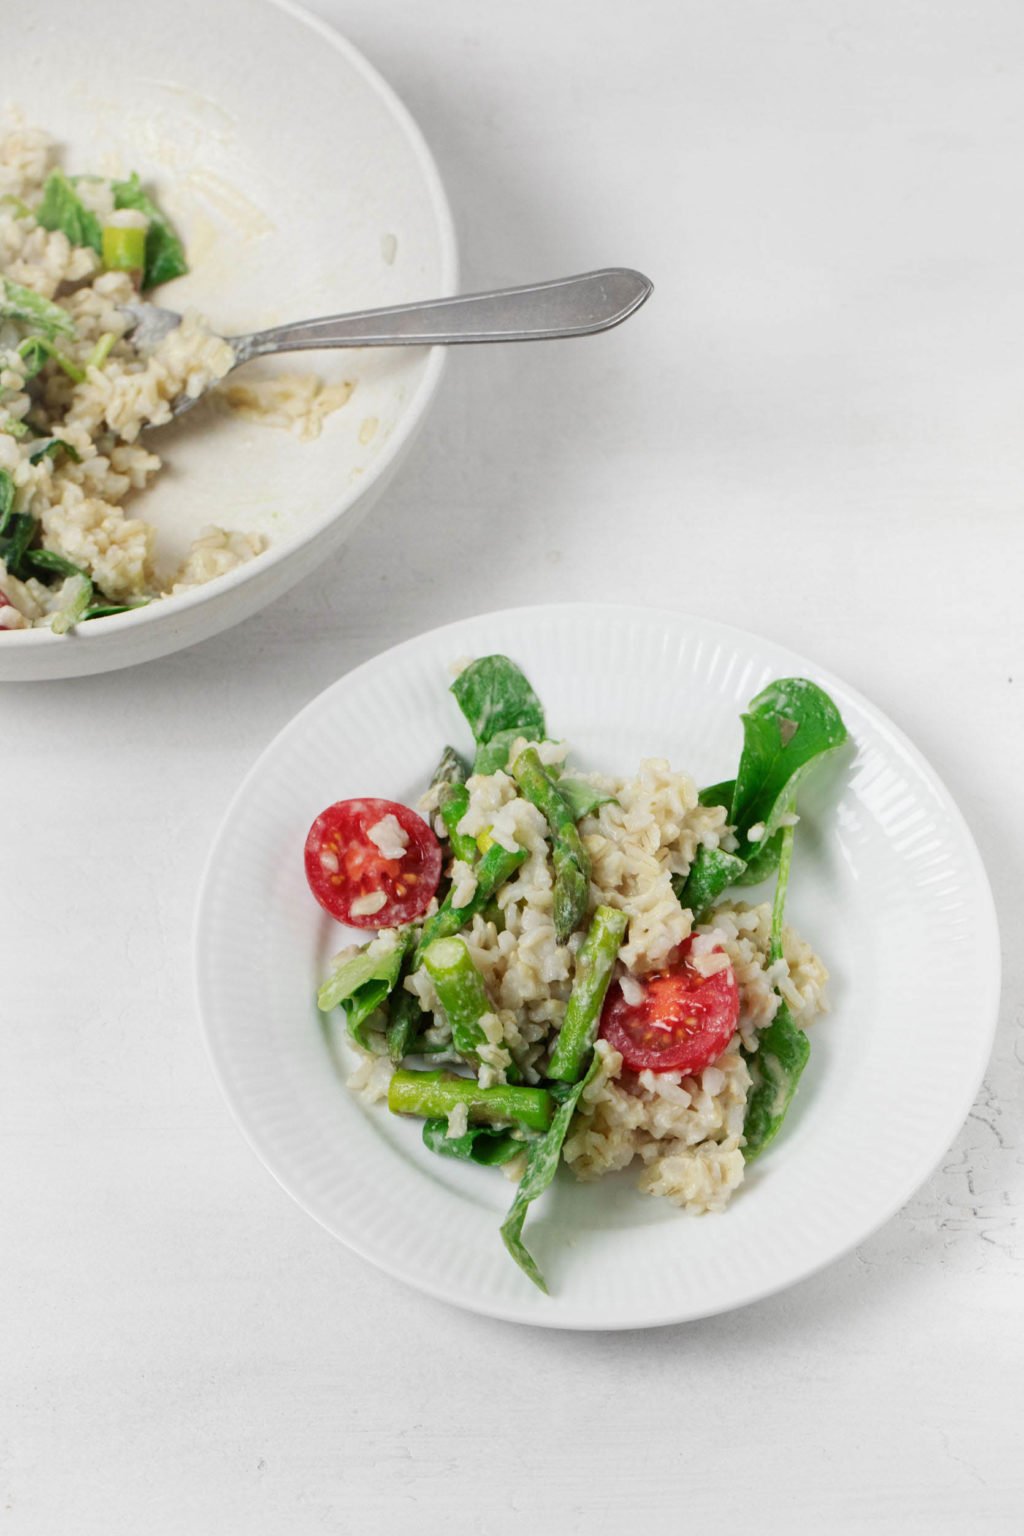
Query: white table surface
(818, 426)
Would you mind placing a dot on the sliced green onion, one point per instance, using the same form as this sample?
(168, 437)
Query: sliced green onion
(108, 610)
(124, 244)
(37, 349)
(75, 608)
(32, 310)
(21, 210)
(101, 351)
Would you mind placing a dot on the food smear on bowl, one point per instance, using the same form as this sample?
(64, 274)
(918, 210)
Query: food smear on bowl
(76, 393)
(583, 987)
(296, 402)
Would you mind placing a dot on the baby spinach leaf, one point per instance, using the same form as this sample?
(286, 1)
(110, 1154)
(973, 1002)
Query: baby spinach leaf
(361, 985)
(712, 871)
(718, 794)
(51, 447)
(20, 530)
(63, 209)
(787, 728)
(763, 860)
(582, 798)
(494, 696)
(494, 754)
(480, 1144)
(775, 1069)
(30, 309)
(48, 560)
(165, 254)
(107, 610)
(405, 1013)
(541, 1166)
(6, 498)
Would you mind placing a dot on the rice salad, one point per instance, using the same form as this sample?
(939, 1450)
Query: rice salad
(76, 393)
(561, 969)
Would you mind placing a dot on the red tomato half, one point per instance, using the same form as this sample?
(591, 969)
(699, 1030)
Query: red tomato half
(344, 865)
(682, 1023)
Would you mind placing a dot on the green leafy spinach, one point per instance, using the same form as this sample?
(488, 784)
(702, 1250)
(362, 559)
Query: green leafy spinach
(362, 984)
(51, 447)
(582, 798)
(63, 209)
(541, 1167)
(480, 1144)
(787, 728)
(165, 254)
(19, 531)
(34, 312)
(6, 498)
(497, 700)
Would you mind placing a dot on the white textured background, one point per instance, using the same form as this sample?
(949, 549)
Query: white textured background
(818, 423)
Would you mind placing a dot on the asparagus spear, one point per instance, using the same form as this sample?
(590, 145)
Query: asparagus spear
(461, 990)
(450, 770)
(453, 805)
(570, 858)
(405, 1012)
(496, 866)
(430, 1094)
(583, 1010)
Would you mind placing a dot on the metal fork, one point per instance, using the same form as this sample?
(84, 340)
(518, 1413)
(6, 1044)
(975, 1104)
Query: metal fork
(568, 306)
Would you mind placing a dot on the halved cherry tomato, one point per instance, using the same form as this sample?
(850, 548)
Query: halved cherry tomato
(682, 1023)
(346, 870)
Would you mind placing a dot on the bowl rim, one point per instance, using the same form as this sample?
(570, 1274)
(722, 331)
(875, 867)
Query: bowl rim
(416, 408)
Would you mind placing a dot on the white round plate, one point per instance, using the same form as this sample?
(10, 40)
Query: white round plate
(887, 885)
(301, 187)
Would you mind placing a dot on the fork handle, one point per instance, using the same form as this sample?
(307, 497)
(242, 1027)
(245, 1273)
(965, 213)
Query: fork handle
(569, 306)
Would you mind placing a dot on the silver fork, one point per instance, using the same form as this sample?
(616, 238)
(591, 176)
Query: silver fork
(567, 306)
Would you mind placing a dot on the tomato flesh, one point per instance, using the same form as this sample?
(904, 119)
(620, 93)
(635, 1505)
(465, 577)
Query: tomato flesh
(346, 869)
(682, 1023)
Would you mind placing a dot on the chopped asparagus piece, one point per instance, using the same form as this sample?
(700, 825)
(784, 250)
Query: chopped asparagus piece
(583, 1011)
(569, 856)
(461, 990)
(431, 1094)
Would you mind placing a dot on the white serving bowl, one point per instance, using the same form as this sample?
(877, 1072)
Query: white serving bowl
(302, 187)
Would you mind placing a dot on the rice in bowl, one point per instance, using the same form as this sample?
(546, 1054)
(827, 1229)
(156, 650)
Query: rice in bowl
(76, 393)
